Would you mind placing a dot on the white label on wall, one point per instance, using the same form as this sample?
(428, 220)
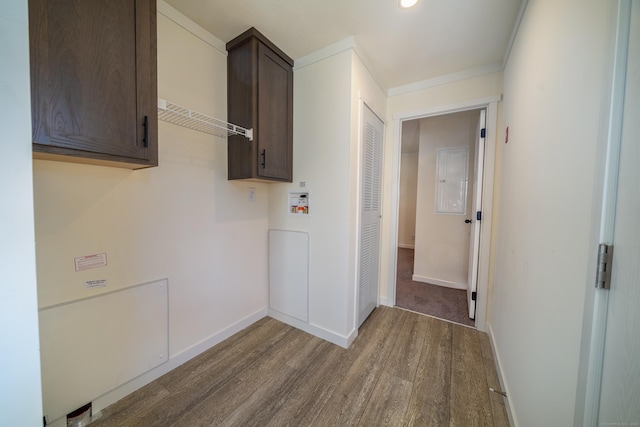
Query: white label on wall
(90, 261)
(100, 283)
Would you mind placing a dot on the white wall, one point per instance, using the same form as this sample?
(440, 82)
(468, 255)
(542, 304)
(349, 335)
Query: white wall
(20, 387)
(321, 147)
(181, 220)
(325, 157)
(419, 103)
(408, 194)
(442, 240)
(552, 106)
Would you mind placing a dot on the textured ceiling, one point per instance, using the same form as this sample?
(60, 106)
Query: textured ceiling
(435, 38)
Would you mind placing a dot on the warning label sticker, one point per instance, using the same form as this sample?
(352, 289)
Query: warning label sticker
(90, 261)
(100, 283)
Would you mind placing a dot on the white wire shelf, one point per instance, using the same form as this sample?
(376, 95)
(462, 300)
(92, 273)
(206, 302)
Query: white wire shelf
(185, 117)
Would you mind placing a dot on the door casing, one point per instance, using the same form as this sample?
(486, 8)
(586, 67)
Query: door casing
(491, 106)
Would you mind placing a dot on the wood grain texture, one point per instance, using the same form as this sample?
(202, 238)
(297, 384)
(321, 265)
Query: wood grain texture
(388, 402)
(429, 402)
(469, 403)
(402, 369)
(498, 408)
(319, 379)
(125, 410)
(94, 80)
(405, 355)
(350, 398)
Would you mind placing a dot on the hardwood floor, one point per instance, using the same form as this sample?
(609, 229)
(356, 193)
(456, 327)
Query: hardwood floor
(402, 369)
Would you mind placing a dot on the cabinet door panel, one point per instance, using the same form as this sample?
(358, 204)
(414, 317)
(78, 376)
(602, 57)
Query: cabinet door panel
(146, 80)
(274, 117)
(241, 102)
(92, 77)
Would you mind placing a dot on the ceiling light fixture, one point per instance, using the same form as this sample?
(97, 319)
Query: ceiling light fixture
(406, 4)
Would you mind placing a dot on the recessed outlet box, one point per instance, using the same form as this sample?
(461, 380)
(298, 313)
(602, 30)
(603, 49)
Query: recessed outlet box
(299, 203)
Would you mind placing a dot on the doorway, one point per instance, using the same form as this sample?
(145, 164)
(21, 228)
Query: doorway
(490, 106)
(437, 210)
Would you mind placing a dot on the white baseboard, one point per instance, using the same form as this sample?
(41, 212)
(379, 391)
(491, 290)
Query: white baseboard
(174, 361)
(503, 383)
(332, 337)
(386, 302)
(439, 282)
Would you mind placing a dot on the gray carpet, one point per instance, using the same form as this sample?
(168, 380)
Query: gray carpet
(438, 301)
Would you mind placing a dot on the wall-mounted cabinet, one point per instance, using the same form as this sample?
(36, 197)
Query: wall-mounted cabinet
(260, 96)
(93, 81)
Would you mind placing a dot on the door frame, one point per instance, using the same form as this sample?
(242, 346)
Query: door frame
(363, 106)
(491, 106)
(597, 300)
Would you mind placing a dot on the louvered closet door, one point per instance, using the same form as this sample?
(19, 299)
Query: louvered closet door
(371, 180)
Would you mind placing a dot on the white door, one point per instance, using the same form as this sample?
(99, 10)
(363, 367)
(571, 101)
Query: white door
(372, 132)
(620, 390)
(613, 377)
(475, 210)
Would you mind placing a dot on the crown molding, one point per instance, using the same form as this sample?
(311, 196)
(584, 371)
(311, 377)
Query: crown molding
(446, 79)
(514, 32)
(169, 12)
(325, 52)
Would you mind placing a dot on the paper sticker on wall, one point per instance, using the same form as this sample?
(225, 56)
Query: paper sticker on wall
(90, 261)
(100, 283)
(299, 203)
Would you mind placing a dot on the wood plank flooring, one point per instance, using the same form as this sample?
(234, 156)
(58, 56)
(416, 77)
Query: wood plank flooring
(403, 369)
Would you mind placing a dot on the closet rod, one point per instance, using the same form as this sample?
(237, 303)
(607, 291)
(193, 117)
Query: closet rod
(185, 117)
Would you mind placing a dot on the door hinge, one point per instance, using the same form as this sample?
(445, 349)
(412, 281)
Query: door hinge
(479, 215)
(603, 272)
(473, 296)
(483, 133)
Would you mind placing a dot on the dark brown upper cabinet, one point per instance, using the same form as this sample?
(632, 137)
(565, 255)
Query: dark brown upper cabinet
(93, 81)
(260, 96)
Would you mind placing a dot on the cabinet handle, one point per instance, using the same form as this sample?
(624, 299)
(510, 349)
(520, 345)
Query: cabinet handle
(145, 138)
(264, 158)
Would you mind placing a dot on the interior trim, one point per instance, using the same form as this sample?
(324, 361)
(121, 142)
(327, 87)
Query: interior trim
(491, 105)
(169, 12)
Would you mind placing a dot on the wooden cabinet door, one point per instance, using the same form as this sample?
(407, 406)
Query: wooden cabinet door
(260, 96)
(275, 112)
(242, 83)
(93, 79)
